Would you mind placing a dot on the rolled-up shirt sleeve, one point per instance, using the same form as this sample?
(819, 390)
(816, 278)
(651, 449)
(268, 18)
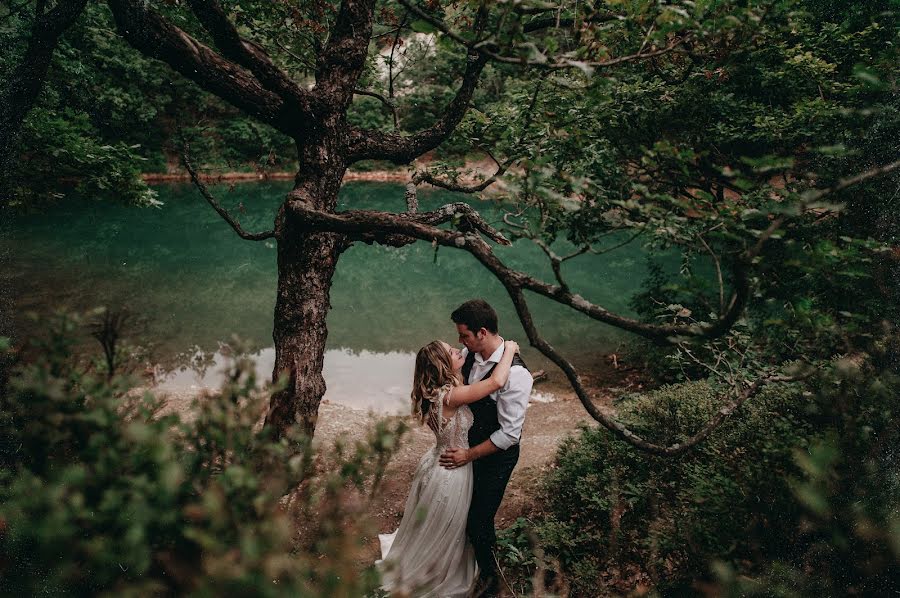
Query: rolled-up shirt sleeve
(512, 401)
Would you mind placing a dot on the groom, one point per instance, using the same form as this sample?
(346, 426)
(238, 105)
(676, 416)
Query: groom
(494, 436)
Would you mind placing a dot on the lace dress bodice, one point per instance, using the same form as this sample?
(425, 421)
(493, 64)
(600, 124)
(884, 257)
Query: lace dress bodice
(453, 431)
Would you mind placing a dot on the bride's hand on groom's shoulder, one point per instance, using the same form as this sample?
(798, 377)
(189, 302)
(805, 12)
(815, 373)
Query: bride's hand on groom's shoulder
(454, 457)
(511, 346)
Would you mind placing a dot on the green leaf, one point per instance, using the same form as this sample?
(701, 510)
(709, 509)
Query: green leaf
(422, 26)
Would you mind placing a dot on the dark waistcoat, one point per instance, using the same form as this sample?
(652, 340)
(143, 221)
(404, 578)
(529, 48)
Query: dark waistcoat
(484, 410)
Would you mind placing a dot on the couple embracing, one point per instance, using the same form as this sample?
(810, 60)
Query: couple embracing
(474, 401)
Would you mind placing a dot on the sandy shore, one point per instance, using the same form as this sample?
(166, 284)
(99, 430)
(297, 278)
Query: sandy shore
(377, 176)
(473, 172)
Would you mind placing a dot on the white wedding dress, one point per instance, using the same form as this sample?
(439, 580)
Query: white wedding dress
(429, 555)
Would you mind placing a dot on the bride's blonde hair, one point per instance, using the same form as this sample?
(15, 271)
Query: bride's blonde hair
(434, 370)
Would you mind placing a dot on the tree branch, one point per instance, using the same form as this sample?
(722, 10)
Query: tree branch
(21, 88)
(610, 423)
(718, 264)
(247, 54)
(403, 149)
(379, 226)
(372, 226)
(423, 176)
(362, 223)
(344, 57)
(556, 261)
(426, 177)
(402, 229)
(156, 37)
(383, 100)
(13, 11)
(218, 208)
(386, 223)
(814, 195)
(484, 48)
(538, 24)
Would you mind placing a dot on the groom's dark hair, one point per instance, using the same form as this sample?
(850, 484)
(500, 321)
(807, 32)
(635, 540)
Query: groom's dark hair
(476, 314)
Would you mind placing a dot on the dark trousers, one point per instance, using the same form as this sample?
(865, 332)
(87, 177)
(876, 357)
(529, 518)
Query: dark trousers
(491, 475)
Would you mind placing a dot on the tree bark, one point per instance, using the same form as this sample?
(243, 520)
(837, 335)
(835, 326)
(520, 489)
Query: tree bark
(306, 266)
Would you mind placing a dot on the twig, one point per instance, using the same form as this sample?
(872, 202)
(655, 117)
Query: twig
(215, 204)
(565, 63)
(384, 100)
(718, 265)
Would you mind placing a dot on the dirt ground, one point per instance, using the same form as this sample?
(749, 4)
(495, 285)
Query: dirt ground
(546, 425)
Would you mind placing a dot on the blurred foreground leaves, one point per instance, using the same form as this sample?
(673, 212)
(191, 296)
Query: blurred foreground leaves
(103, 493)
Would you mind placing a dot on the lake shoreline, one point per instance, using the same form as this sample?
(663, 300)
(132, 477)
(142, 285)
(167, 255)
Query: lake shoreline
(374, 176)
(474, 171)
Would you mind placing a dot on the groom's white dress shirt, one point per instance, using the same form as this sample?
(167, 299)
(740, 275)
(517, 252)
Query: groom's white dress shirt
(512, 399)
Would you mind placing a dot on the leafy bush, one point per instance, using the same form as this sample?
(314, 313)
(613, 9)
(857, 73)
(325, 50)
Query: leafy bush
(796, 485)
(100, 494)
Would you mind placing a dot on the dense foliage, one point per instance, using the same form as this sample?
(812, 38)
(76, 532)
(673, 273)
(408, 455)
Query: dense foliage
(107, 114)
(704, 155)
(797, 495)
(102, 493)
(732, 150)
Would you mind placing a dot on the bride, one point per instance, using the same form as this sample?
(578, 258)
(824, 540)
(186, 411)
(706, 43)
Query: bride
(429, 554)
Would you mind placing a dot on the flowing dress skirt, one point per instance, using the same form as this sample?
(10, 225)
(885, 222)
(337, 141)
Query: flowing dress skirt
(429, 555)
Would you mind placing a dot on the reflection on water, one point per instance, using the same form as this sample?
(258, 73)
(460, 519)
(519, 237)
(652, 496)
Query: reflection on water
(366, 380)
(191, 282)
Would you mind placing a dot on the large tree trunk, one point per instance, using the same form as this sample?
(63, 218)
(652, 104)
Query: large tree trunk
(306, 265)
(305, 269)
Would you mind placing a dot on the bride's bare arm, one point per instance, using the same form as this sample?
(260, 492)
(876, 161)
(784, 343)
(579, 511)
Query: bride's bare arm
(463, 395)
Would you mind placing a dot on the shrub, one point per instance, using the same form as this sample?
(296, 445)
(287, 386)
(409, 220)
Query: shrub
(102, 495)
(610, 504)
(797, 485)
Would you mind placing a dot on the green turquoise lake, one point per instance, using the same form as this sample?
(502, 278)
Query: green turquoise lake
(190, 284)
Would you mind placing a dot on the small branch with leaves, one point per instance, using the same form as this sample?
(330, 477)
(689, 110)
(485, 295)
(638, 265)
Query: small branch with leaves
(488, 48)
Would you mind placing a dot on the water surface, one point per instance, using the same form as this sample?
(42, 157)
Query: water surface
(191, 284)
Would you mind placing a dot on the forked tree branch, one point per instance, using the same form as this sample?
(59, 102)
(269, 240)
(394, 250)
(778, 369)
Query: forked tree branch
(156, 37)
(402, 149)
(208, 196)
(247, 54)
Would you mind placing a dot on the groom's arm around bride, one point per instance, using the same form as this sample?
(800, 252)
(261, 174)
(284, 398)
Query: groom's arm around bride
(512, 402)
